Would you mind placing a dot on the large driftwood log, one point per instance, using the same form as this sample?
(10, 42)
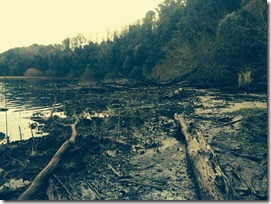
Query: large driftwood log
(44, 175)
(212, 182)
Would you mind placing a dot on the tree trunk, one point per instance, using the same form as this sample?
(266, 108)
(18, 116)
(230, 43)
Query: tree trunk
(212, 182)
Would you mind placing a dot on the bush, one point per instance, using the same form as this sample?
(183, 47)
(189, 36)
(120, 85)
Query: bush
(244, 78)
(32, 72)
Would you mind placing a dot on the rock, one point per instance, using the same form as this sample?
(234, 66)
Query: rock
(111, 153)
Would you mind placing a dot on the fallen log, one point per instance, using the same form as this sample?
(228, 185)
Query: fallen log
(212, 182)
(173, 93)
(45, 173)
(73, 86)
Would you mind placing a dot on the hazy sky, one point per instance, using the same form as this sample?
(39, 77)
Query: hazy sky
(25, 22)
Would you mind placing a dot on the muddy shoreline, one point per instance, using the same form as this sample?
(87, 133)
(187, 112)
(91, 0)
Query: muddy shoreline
(131, 147)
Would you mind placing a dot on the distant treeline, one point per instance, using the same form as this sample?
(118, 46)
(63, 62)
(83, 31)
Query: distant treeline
(207, 41)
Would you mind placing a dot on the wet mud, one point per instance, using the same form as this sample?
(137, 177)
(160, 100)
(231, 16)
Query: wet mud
(129, 146)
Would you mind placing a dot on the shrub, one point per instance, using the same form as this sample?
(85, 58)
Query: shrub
(244, 78)
(32, 72)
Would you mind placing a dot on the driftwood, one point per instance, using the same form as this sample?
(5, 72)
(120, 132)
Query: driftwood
(248, 188)
(247, 156)
(229, 123)
(45, 173)
(93, 188)
(114, 170)
(73, 87)
(212, 182)
(174, 93)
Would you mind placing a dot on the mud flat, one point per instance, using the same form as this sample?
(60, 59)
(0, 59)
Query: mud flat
(129, 146)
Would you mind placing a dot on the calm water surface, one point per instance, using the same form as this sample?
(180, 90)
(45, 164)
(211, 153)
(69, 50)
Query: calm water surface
(23, 99)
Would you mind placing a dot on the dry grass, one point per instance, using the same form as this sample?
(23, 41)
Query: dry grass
(244, 78)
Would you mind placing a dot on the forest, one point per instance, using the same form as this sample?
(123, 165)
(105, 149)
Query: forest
(207, 42)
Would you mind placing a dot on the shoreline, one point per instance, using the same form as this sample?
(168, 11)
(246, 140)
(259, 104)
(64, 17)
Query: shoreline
(35, 77)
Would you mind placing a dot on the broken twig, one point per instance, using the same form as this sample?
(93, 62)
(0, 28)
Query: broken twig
(64, 187)
(114, 170)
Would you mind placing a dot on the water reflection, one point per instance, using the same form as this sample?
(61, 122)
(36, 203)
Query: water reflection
(23, 98)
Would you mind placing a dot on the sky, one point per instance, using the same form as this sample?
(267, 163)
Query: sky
(26, 22)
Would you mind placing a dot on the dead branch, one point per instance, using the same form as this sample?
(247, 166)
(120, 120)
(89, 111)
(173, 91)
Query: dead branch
(249, 189)
(64, 187)
(73, 87)
(117, 141)
(117, 173)
(17, 160)
(253, 158)
(93, 188)
(175, 185)
(173, 93)
(43, 176)
(229, 123)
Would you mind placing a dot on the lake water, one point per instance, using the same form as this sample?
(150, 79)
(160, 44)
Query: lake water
(23, 99)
